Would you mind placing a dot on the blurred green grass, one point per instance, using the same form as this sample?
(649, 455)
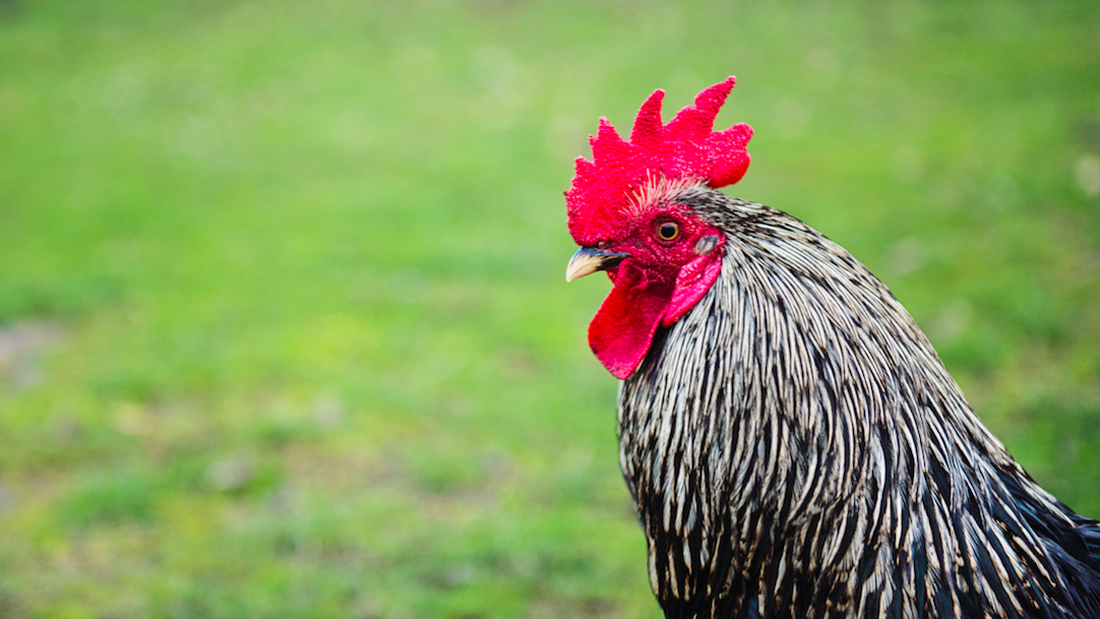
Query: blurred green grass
(284, 327)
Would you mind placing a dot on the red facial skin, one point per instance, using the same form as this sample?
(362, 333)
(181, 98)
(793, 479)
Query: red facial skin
(656, 285)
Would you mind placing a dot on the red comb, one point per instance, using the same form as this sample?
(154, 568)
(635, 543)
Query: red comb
(686, 148)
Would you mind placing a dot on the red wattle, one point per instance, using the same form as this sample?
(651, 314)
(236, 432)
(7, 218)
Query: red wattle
(622, 331)
(692, 282)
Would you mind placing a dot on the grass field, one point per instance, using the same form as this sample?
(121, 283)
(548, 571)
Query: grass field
(283, 324)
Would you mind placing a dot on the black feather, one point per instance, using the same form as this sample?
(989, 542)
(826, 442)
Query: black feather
(796, 448)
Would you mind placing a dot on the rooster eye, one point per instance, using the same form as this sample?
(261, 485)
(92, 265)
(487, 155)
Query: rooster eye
(668, 231)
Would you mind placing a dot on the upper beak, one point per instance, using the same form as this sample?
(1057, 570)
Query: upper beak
(589, 260)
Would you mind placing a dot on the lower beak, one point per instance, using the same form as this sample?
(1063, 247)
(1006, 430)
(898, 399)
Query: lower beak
(589, 260)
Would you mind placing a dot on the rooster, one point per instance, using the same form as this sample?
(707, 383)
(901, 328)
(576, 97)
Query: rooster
(793, 444)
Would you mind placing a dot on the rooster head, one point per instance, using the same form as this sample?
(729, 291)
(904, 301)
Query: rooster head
(623, 212)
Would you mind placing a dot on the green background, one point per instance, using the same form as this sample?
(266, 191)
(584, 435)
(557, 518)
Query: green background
(283, 324)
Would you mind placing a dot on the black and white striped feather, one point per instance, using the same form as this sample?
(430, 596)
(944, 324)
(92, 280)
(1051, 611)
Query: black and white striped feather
(796, 448)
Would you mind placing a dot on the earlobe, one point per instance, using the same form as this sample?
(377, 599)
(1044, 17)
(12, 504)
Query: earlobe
(706, 244)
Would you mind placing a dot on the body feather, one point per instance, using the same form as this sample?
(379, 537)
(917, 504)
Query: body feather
(796, 448)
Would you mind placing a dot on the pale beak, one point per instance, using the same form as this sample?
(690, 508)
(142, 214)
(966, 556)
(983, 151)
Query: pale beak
(589, 260)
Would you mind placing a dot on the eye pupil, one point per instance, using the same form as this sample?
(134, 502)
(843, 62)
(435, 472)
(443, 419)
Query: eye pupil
(668, 231)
